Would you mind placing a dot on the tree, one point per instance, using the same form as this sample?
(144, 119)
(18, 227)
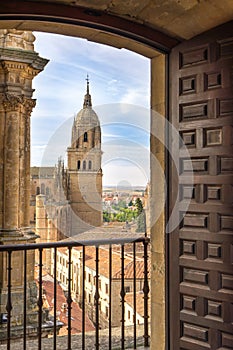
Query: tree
(130, 203)
(141, 222)
(106, 216)
(139, 206)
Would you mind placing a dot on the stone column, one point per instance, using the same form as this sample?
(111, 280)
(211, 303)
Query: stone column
(158, 236)
(28, 105)
(10, 200)
(19, 64)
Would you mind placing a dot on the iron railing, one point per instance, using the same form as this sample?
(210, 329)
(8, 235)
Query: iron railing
(111, 244)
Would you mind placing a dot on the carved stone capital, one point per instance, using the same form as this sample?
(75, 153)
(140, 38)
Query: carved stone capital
(28, 105)
(11, 102)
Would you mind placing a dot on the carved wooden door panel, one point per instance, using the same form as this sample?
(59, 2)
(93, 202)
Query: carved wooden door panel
(201, 249)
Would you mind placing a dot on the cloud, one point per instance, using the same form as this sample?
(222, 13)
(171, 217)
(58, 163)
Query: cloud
(116, 173)
(119, 85)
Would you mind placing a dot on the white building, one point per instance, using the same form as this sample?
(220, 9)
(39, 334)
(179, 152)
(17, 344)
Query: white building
(89, 280)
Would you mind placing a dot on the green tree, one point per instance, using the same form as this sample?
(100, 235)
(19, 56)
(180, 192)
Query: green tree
(139, 206)
(106, 216)
(141, 224)
(130, 203)
(122, 204)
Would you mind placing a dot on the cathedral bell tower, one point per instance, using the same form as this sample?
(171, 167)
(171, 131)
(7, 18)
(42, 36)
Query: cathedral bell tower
(84, 171)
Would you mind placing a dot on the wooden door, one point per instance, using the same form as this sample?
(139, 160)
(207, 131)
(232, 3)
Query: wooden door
(200, 281)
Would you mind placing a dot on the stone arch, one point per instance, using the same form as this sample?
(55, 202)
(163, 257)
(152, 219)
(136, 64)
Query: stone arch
(119, 33)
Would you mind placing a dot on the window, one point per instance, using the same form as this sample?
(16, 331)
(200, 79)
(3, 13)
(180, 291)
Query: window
(89, 278)
(84, 165)
(89, 165)
(106, 311)
(129, 315)
(42, 188)
(38, 190)
(89, 298)
(85, 137)
(47, 191)
(99, 284)
(127, 289)
(79, 164)
(106, 288)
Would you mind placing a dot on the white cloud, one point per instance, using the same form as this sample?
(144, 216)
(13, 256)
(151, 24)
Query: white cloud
(118, 78)
(116, 173)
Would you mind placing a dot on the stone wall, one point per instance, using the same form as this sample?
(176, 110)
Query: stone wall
(89, 340)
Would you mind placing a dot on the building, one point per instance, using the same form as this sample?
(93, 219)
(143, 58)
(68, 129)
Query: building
(70, 199)
(84, 172)
(89, 280)
(42, 182)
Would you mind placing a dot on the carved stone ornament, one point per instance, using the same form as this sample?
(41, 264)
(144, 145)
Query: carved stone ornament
(11, 102)
(28, 104)
(12, 38)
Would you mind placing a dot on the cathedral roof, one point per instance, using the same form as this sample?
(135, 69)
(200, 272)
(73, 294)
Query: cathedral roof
(86, 116)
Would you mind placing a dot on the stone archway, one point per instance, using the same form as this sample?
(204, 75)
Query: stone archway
(121, 34)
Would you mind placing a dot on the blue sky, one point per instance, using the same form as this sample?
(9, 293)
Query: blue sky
(119, 85)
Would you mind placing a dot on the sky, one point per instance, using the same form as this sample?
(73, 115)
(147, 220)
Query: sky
(120, 90)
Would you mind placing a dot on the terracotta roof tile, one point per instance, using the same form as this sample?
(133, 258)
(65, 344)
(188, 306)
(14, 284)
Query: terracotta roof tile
(139, 302)
(90, 262)
(76, 312)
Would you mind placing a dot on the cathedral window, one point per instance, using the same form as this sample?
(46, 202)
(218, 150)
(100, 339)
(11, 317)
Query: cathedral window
(84, 165)
(79, 164)
(42, 188)
(85, 137)
(89, 165)
(47, 191)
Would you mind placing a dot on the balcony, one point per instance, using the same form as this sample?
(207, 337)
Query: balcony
(105, 289)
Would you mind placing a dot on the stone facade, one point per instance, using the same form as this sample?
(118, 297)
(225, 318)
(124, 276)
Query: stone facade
(84, 173)
(73, 203)
(19, 65)
(89, 281)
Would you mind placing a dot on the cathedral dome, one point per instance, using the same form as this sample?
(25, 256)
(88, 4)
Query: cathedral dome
(85, 121)
(87, 116)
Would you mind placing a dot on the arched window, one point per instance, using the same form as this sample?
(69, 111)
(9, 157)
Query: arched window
(38, 190)
(79, 164)
(85, 137)
(84, 165)
(42, 188)
(89, 165)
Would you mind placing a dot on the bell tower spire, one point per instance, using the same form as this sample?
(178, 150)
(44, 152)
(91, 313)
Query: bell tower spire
(84, 169)
(87, 98)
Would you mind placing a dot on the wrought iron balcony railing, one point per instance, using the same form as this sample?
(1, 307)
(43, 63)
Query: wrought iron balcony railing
(133, 275)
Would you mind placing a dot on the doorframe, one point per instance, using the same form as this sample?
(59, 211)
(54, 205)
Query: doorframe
(148, 42)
